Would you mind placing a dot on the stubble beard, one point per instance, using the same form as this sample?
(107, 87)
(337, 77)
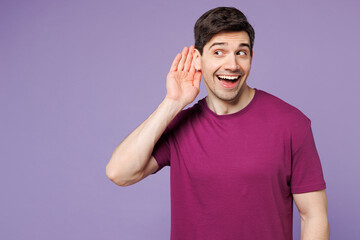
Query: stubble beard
(231, 96)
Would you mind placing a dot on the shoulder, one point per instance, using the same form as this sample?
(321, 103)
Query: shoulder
(280, 110)
(185, 116)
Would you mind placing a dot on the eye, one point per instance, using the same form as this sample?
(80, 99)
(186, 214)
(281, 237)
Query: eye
(219, 53)
(242, 53)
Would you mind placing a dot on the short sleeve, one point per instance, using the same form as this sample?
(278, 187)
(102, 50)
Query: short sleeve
(307, 174)
(161, 151)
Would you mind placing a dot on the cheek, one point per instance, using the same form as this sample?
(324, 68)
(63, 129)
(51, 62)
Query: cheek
(210, 67)
(246, 66)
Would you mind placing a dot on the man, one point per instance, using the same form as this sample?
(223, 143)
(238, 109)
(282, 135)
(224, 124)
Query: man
(238, 157)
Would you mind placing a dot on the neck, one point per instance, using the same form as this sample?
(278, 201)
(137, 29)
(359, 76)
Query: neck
(221, 107)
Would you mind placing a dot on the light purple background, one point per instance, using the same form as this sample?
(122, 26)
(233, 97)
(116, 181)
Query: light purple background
(78, 76)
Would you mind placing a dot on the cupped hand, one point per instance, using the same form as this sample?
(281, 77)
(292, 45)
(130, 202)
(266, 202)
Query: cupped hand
(183, 81)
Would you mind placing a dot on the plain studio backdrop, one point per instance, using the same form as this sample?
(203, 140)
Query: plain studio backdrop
(78, 76)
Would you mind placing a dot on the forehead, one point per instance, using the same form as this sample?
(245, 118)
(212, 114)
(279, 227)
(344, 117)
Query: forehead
(230, 38)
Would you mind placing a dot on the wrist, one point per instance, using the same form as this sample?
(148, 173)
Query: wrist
(173, 106)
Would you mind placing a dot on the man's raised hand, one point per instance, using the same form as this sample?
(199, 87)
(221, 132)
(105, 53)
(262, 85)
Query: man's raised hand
(183, 82)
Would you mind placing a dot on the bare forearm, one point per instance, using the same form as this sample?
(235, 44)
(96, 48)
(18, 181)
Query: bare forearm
(131, 155)
(315, 228)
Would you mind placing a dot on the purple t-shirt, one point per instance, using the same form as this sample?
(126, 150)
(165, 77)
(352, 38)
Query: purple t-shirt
(232, 176)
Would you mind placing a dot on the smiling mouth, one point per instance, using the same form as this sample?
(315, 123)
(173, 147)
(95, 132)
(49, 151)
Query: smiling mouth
(227, 78)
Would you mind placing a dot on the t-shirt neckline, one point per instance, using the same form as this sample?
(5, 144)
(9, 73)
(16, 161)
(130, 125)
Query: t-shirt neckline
(205, 107)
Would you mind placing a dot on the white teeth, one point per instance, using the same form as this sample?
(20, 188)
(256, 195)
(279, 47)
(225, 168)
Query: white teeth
(228, 77)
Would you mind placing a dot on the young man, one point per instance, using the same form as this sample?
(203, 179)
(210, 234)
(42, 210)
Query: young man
(238, 157)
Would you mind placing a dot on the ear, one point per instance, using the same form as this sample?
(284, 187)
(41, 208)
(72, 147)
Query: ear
(197, 59)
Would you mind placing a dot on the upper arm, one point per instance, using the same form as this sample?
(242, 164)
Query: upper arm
(151, 167)
(311, 204)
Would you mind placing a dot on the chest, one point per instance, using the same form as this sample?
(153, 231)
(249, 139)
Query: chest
(233, 155)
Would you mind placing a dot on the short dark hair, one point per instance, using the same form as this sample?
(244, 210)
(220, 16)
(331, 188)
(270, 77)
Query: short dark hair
(221, 19)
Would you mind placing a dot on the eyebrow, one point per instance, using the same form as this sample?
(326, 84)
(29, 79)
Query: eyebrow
(224, 43)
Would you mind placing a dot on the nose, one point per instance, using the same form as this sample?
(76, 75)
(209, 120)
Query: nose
(231, 63)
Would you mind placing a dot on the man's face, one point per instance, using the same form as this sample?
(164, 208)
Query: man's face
(225, 65)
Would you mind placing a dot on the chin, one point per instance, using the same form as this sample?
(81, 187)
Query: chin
(230, 97)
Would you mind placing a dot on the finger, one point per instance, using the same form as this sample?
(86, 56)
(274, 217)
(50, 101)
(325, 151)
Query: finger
(192, 68)
(197, 79)
(183, 58)
(175, 63)
(189, 58)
